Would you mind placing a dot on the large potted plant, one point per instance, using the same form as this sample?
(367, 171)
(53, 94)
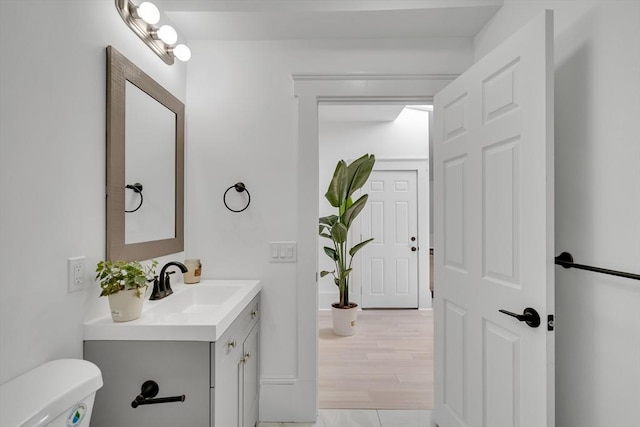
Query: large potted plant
(346, 180)
(124, 283)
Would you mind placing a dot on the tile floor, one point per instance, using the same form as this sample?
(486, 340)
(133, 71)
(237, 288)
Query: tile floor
(365, 418)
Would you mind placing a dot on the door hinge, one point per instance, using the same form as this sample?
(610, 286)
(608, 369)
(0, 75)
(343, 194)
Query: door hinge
(551, 323)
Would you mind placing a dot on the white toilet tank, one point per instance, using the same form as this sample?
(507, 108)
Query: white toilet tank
(56, 394)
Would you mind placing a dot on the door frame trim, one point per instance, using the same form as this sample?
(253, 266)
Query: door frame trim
(296, 399)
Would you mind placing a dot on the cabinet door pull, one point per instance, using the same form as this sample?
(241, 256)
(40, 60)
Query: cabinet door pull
(232, 344)
(254, 313)
(245, 358)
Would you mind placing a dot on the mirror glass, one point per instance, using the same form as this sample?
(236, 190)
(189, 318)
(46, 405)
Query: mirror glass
(150, 130)
(145, 164)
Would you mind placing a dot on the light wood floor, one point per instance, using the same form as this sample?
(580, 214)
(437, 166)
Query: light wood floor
(388, 364)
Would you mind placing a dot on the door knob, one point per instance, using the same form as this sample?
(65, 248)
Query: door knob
(413, 238)
(530, 316)
(413, 249)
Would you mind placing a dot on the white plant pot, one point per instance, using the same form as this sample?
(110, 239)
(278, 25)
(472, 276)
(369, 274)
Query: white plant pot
(125, 305)
(344, 320)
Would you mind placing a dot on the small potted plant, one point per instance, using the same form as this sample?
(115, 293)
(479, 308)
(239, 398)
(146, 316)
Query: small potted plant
(125, 284)
(346, 180)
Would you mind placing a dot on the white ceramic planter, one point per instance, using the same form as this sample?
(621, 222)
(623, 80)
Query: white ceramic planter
(125, 305)
(344, 320)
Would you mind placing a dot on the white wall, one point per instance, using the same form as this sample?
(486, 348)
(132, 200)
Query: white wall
(597, 134)
(405, 138)
(52, 163)
(243, 127)
(241, 120)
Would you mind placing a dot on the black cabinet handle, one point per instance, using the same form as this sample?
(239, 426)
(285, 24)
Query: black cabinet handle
(530, 316)
(413, 249)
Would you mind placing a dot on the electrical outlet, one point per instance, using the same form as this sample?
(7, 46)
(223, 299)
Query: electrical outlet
(76, 267)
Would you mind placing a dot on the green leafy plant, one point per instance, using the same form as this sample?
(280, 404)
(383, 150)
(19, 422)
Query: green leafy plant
(346, 180)
(116, 276)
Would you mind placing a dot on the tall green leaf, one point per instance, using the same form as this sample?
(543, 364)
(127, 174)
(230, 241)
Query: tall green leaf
(329, 220)
(353, 211)
(351, 171)
(358, 173)
(324, 231)
(359, 246)
(331, 253)
(337, 189)
(339, 233)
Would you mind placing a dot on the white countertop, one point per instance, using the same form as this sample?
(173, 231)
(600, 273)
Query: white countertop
(198, 312)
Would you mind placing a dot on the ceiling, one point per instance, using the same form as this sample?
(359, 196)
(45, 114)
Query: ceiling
(364, 112)
(331, 19)
(359, 113)
(327, 19)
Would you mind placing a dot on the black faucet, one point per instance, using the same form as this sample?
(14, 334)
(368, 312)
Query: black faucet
(162, 283)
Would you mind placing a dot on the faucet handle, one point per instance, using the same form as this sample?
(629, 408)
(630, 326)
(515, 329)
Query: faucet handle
(157, 293)
(167, 283)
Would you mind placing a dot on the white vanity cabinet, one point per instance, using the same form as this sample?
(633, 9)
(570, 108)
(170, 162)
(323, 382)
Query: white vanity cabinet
(251, 379)
(235, 379)
(220, 379)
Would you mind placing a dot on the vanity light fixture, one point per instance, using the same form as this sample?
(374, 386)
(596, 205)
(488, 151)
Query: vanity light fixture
(167, 34)
(148, 12)
(142, 20)
(182, 52)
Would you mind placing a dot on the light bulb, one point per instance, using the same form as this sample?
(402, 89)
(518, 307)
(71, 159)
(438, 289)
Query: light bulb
(182, 52)
(148, 12)
(167, 34)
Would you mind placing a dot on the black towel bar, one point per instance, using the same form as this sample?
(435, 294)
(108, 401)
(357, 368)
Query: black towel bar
(565, 259)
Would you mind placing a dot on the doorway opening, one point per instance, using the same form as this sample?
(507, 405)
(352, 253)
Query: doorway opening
(388, 364)
(310, 90)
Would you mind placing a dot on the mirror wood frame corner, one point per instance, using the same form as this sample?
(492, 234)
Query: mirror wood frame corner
(119, 71)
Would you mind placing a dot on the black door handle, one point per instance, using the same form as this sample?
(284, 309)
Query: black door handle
(413, 249)
(530, 316)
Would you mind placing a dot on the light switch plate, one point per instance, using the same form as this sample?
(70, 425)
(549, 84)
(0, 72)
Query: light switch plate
(283, 252)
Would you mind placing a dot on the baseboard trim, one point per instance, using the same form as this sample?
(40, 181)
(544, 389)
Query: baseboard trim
(287, 400)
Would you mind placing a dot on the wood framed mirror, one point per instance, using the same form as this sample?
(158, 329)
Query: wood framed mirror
(145, 165)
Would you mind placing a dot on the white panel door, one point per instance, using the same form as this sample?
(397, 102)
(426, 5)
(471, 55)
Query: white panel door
(389, 263)
(493, 182)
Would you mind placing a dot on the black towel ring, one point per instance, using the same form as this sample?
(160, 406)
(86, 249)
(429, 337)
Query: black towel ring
(137, 188)
(240, 187)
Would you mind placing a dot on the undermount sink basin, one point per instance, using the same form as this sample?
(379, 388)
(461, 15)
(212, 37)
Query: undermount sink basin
(199, 312)
(196, 298)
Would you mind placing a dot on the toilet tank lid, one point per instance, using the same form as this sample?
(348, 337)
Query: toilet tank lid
(39, 396)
